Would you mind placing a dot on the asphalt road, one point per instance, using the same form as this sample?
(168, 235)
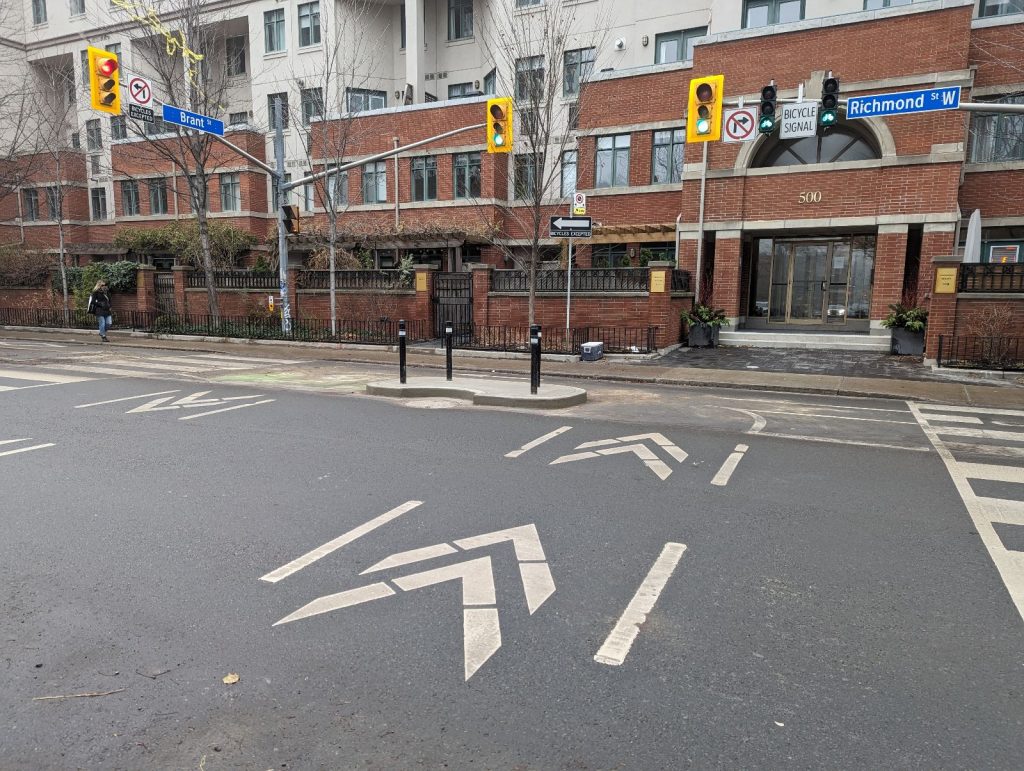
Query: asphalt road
(164, 528)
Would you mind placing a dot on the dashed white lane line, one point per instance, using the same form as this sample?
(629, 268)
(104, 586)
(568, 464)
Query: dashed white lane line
(619, 642)
(226, 409)
(322, 551)
(125, 399)
(538, 441)
(27, 449)
(721, 479)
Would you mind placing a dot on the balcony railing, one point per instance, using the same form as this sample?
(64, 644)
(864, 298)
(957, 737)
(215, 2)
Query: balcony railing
(583, 280)
(356, 279)
(992, 278)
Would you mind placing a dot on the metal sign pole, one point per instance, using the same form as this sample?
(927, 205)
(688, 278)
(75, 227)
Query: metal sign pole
(568, 288)
(282, 233)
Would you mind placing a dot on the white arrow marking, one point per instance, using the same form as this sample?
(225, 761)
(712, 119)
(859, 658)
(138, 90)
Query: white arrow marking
(413, 555)
(481, 637)
(340, 600)
(125, 399)
(188, 402)
(661, 441)
(227, 409)
(562, 222)
(524, 538)
(476, 576)
(644, 453)
(538, 441)
(538, 583)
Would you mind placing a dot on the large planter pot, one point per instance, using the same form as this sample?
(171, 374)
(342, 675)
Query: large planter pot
(907, 343)
(702, 336)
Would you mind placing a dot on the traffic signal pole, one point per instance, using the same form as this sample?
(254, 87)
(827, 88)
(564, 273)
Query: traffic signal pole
(282, 230)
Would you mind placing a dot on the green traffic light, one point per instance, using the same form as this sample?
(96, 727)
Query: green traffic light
(498, 140)
(766, 125)
(828, 118)
(703, 126)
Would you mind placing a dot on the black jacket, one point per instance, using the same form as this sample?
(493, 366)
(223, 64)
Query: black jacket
(99, 302)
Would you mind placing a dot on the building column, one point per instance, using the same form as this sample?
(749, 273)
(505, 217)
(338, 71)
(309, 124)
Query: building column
(726, 281)
(890, 263)
(481, 292)
(660, 311)
(937, 243)
(424, 288)
(941, 309)
(145, 290)
(180, 273)
(415, 59)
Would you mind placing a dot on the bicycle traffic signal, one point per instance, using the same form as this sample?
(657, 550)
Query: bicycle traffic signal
(766, 112)
(828, 115)
(704, 110)
(499, 125)
(104, 81)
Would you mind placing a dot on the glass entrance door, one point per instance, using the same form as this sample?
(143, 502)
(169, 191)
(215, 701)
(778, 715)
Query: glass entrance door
(808, 266)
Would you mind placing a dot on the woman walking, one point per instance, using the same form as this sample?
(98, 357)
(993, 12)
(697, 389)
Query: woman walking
(99, 305)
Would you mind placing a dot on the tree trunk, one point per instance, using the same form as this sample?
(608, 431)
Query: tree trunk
(204, 243)
(332, 251)
(534, 253)
(62, 261)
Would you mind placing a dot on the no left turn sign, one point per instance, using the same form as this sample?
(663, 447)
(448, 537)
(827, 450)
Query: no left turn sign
(739, 125)
(140, 91)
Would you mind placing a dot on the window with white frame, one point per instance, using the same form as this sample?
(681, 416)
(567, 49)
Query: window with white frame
(312, 100)
(93, 135)
(38, 11)
(401, 25)
(761, 13)
(460, 90)
(362, 99)
(309, 24)
(30, 207)
(157, 196)
(273, 31)
(611, 167)
(570, 160)
(118, 127)
(337, 188)
(77, 7)
(308, 193)
(460, 19)
(94, 164)
(375, 182)
(234, 56)
(676, 46)
(130, 198)
(578, 66)
(271, 114)
(115, 49)
(466, 175)
(667, 160)
(998, 137)
(53, 203)
(1000, 7)
(530, 78)
(529, 173)
(156, 127)
(491, 82)
(424, 178)
(98, 203)
(230, 192)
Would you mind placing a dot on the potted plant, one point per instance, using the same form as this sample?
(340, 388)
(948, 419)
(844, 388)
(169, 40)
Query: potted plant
(703, 324)
(907, 325)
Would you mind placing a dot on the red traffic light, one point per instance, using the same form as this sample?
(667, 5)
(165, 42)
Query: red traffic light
(107, 66)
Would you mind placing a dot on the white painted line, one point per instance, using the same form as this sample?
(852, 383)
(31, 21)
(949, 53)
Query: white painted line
(598, 443)
(525, 539)
(538, 583)
(996, 450)
(644, 453)
(481, 637)
(476, 576)
(413, 555)
(992, 472)
(924, 409)
(954, 419)
(337, 601)
(256, 359)
(573, 457)
(205, 364)
(836, 417)
(538, 441)
(226, 409)
(759, 420)
(1005, 510)
(817, 405)
(45, 377)
(15, 441)
(829, 440)
(322, 551)
(114, 372)
(978, 433)
(721, 479)
(125, 399)
(26, 449)
(620, 640)
(146, 364)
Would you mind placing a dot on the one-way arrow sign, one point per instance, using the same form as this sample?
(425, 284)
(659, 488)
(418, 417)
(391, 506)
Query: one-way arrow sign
(571, 227)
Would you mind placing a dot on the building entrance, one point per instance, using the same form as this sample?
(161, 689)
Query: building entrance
(811, 283)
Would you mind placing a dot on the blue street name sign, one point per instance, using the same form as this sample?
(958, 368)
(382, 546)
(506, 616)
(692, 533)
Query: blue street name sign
(192, 120)
(903, 103)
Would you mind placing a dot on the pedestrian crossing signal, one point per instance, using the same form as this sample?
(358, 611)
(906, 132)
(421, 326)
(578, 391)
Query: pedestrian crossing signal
(499, 125)
(104, 81)
(704, 109)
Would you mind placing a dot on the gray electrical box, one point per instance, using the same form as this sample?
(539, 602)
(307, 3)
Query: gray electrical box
(591, 351)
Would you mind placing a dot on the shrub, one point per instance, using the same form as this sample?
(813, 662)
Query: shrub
(22, 268)
(911, 319)
(227, 242)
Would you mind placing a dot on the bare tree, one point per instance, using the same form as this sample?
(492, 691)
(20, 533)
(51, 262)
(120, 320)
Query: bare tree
(546, 60)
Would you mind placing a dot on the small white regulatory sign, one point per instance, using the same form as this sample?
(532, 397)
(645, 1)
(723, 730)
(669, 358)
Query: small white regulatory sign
(140, 91)
(739, 125)
(579, 204)
(799, 120)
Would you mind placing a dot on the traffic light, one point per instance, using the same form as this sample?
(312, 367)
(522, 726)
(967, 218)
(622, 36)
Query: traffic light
(499, 125)
(766, 112)
(104, 81)
(704, 110)
(828, 115)
(291, 219)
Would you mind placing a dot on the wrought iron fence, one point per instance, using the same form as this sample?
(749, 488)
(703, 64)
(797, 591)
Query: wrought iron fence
(234, 279)
(46, 317)
(556, 339)
(991, 278)
(680, 281)
(356, 279)
(583, 280)
(1002, 353)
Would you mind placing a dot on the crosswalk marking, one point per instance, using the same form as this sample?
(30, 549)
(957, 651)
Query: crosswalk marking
(927, 410)
(992, 472)
(45, 377)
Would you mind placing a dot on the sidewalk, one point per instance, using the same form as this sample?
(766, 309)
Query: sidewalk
(670, 370)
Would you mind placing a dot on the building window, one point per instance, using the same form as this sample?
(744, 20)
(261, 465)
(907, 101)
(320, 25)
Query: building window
(158, 196)
(459, 90)
(997, 137)
(760, 13)
(361, 99)
(309, 24)
(53, 203)
(38, 11)
(612, 166)
(84, 55)
(98, 203)
(234, 56)
(841, 143)
(77, 7)
(230, 192)
(466, 168)
(424, 178)
(375, 182)
(570, 159)
(529, 175)
(238, 118)
(115, 49)
(667, 162)
(460, 19)
(578, 66)
(271, 115)
(874, 5)
(93, 137)
(156, 127)
(76, 140)
(30, 197)
(312, 104)
(118, 127)
(530, 78)
(401, 26)
(130, 198)
(676, 46)
(94, 164)
(1000, 7)
(491, 82)
(273, 30)
(526, 3)
(609, 256)
(337, 188)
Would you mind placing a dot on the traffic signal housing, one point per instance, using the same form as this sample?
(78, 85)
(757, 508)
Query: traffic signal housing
(704, 109)
(828, 113)
(104, 81)
(499, 125)
(291, 218)
(766, 116)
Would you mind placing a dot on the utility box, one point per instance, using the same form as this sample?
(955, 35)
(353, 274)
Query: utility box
(591, 351)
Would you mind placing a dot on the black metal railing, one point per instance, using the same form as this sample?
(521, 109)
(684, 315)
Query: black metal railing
(991, 278)
(680, 281)
(557, 339)
(1000, 353)
(356, 279)
(583, 280)
(234, 279)
(46, 318)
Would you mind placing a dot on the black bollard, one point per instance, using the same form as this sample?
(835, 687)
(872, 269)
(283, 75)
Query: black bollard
(534, 357)
(448, 350)
(401, 351)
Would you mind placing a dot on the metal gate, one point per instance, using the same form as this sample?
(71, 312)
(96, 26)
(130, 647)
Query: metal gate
(452, 301)
(163, 284)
